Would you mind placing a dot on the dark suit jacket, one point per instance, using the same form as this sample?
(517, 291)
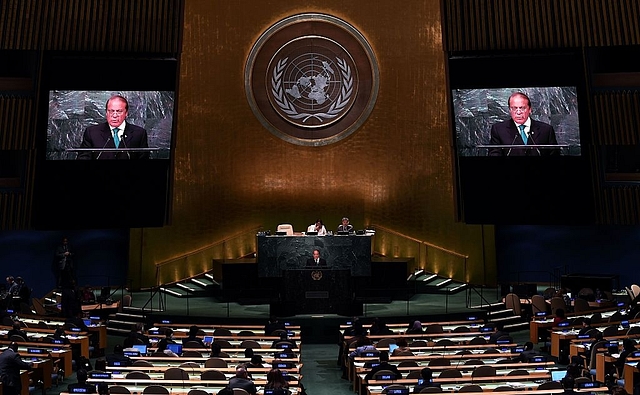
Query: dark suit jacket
(312, 263)
(100, 136)
(10, 365)
(506, 133)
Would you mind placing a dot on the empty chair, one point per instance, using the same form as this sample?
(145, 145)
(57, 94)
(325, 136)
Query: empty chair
(414, 374)
(191, 344)
(430, 390)
(189, 365)
(550, 385)
(596, 318)
(460, 329)
(126, 301)
(141, 362)
(246, 333)
(434, 328)
(491, 351)
(484, 371)
(580, 305)
(278, 332)
(191, 354)
(518, 372)
(155, 389)
(288, 228)
(440, 362)
(471, 388)
(223, 343)
(586, 293)
(557, 302)
(250, 344)
(445, 342)
(473, 362)
(503, 388)
(538, 304)
(615, 317)
(215, 363)
(176, 374)
(580, 380)
(548, 293)
(240, 391)
(222, 332)
(450, 374)
(478, 340)
(610, 331)
(418, 343)
(634, 330)
(635, 288)
(512, 301)
(118, 389)
(197, 392)
(408, 364)
(17, 338)
(42, 325)
(212, 374)
(384, 343)
(137, 375)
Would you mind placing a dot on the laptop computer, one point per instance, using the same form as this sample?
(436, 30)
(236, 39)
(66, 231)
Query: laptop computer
(175, 348)
(392, 347)
(558, 375)
(207, 340)
(142, 348)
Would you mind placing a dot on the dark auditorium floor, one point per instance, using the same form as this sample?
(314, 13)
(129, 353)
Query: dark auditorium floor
(321, 374)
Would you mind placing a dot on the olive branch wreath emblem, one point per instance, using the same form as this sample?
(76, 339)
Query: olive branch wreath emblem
(334, 110)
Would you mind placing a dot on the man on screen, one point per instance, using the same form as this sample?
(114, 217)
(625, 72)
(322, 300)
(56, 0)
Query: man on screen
(115, 133)
(522, 130)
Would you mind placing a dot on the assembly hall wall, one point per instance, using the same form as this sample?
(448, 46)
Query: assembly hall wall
(232, 177)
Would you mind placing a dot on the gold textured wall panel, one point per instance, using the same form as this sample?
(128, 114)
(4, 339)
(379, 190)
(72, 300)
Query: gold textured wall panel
(232, 175)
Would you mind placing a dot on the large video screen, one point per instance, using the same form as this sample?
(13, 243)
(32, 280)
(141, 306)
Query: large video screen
(79, 121)
(486, 125)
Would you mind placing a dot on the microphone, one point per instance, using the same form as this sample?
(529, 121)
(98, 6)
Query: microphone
(105, 144)
(124, 141)
(514, 140)
(530, 135)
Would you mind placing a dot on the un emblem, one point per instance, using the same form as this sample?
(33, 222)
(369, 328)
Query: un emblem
(311, 79)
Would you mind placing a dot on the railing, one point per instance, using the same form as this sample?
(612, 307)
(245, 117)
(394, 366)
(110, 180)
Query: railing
(428, 256)
(200, 261)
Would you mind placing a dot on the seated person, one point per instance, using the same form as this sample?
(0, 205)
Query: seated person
(318, 226)
(384, 365)
(162, 345)
(136, 336)
(241, 380)
(255, 364)
(628, 346)
(527, 354)
(277, 382)
(416, 327)
(559, 317)
(345, 226)
(81, 385)
(17, 331)
(118, 358)
(273, 325)
(193, 336)
(586, 326)
(403, 348)
(363, 345)
(493, 339)
(379, 327)
(216, 351)
(284, 342)
(427, 381)
(59, 334)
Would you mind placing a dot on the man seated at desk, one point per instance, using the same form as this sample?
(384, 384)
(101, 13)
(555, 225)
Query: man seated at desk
(345, 226)
(317, 227)
(316, 260)
(384, 365)
(241, 380)
(81, 386)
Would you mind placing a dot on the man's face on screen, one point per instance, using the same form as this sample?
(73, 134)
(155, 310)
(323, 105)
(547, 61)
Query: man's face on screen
(519, 109)
(116, 112)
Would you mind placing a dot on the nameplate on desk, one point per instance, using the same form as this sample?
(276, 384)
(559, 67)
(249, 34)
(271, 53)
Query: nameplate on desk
(57, 341)
(37, 351)
(398, 391)
(132, 353)
(99, 375)
(75, 329)
(584, 337)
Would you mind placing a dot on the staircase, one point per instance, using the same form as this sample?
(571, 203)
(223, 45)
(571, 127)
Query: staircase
(121, 323)
(499, 314)
(202, 285)
(430, 283)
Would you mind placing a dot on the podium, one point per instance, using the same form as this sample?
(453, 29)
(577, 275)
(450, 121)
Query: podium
(317, 290)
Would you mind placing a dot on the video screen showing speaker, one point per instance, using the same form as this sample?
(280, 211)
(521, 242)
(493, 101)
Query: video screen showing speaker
(519, 129)
(106, 132)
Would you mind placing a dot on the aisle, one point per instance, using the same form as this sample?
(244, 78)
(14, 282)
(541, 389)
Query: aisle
(321, 375)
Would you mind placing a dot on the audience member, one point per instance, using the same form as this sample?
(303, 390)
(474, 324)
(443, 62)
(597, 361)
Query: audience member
(284, 342)
(427, 381)
(273, 325)
(10, 366)
(379, 327)
(276, 382)
(16, 330)
(527, 354)
(559, 317)
(586, 326)
(416, 327)
(193, 336)
(403, 348)
(384, 365)
(81, 385)
(117, 358)
(500, 332)
(362, 346)
(241, 380)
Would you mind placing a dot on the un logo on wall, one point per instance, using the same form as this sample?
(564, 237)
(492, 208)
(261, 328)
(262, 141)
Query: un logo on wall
(311, 79)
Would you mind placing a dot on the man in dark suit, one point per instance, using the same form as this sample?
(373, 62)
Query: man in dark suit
(115, 133)
(10, 365)
(316, 260)
(522, 130)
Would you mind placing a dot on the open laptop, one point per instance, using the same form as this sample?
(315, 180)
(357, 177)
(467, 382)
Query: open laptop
(142, 348)
(558, 375)
(175, 348)
(392, 347)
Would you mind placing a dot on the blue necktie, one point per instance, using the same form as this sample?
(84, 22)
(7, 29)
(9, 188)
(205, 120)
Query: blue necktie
(116, 139)
(523, 134)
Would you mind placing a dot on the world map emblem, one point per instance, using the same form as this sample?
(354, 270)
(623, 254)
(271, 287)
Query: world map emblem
(311, 79)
